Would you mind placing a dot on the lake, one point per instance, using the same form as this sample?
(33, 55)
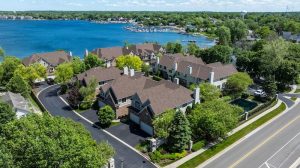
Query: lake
(22, 38)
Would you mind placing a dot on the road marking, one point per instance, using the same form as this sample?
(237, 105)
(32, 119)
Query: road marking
(281, 148)
(264, 142)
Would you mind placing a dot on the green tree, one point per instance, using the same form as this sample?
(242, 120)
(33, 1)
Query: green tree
(130, 61)
(146, 69)
(238, 29)
(9, 65)
(174, 47)
(237, 84)
(6, 114)
(213, 119)
(180, 133)
(78, 65)
(88, 94)
(270, 87)
(92, 61)
(265, 32)
(106, 115)
(287, 72)
(224, 35)
(218, 53)
(192, 48)
(2, 52)
(209, 92)
(18, 85)
(162, 123)
(63, 73)
(45, 141)
(32, 72)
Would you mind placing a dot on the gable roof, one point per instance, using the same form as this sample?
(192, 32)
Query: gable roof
(16, 100)
(127, 86)
(53, 58)
(109, 53)
(100, 74)
(165, 95)
(145, 49)
(199, 68)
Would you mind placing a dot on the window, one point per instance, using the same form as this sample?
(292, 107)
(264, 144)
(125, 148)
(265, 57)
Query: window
(170, 71)
(124, 100)
(165, 67)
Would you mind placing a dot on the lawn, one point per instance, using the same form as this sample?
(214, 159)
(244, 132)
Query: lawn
(293, 98)
(232, 139)
(297, 91)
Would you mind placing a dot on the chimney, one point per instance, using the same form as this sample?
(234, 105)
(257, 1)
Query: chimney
(131, 72)
(157, 60)
(70, 53)
(175, 66)
(197, 95)
(108, 64)
(86, 52)
(125, 71)
(211, 78)
(97, 50)
(190, 68)
(176, 80)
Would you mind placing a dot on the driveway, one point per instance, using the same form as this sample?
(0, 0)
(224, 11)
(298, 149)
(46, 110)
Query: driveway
(128, 132)
(56, 107)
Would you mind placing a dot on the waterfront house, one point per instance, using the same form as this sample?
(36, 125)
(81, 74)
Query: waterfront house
(186, 70)
(147, 52)
(50, 60)
(18, 102)
(102, 75)
(143, 98)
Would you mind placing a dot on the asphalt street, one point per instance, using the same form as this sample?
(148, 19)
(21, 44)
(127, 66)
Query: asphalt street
(274, 146)
(124, 155)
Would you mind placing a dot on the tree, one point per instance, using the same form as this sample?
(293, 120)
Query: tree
(6, 114)
(162, 123)
(63, 73)
(270, 87)
(265, 32)
(78, 65)
(130, 61)
(88, 94)
(238, 29)
(105, 115)
(174, 47)
(45, 141)
(74, 97)
(18, 85)
(2, 52)
(209, 92)
(9, 66)
(180, 133)
(32, 72)
(224, 35)
(146, 69)
(237, 84)
(92, 60)
(192, 48)
(213, 119)
(287, 72)
(217, 53)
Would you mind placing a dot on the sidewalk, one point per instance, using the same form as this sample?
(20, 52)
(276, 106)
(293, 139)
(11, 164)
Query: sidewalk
(194, 154)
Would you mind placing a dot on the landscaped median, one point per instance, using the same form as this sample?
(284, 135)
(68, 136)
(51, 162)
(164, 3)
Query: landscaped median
(194, 162)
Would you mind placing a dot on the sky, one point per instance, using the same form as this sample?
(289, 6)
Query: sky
(152, 5)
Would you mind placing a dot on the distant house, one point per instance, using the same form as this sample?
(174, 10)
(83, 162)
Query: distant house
(50, 60)
(100, 74)
(18, 102)
(146, 52)
(291, 37)
(187, 70)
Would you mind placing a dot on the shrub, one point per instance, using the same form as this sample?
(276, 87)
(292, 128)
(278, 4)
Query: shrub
(198, 145)
(105, 115)
(159, 155)
(156, 78)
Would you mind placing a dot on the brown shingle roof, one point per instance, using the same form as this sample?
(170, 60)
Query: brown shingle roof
(101, 74)
(53, 58)
(127, 86)
(199, 68)
(145, 49)
(109, 53)
(166, 95)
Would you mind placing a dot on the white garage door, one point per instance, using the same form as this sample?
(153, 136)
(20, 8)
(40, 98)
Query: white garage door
(148, 129)
(134, 118)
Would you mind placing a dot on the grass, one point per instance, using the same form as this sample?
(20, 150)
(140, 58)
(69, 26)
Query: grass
(297, 91)
(34, 103)
(114, 124)
(293, 98)
(232, 139)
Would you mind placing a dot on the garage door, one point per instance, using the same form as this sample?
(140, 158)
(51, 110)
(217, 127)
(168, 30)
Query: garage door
(148, 129)
(134, 118)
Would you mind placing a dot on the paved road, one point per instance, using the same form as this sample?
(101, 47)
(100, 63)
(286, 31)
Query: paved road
(57, 107)
(276, 145)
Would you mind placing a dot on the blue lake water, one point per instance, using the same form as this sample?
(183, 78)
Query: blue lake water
(22, 38)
